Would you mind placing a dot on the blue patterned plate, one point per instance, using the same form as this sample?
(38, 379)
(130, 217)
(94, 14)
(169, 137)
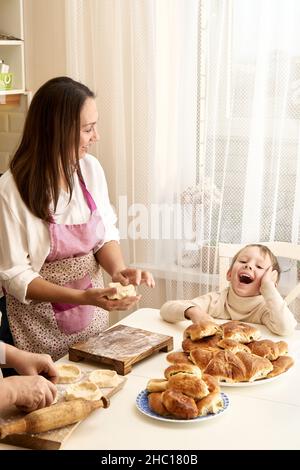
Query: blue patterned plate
(142, 405)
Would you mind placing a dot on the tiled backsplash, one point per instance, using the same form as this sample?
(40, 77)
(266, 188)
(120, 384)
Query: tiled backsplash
(12, 117)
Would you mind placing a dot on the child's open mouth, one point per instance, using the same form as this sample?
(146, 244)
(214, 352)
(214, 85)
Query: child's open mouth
(245, 279)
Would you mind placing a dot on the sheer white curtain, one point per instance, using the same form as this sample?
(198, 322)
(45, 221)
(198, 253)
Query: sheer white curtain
(251, 123)
(140, 56)
(199, 126)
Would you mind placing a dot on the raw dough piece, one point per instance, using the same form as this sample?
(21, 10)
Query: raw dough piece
(68, 373)
(122, 291)
(104, 378)
(86, 390)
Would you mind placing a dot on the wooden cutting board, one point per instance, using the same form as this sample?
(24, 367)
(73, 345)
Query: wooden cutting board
(120, 347)
(55, 439)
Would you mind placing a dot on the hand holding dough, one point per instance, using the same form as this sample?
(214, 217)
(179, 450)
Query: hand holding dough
(122, 291)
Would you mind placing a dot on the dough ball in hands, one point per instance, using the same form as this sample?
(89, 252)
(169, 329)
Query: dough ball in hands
(68, 373)
(122, 291)
(179, 405)
(104, 378)
(85, 390)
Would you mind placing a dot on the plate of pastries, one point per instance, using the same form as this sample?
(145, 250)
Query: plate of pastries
(183, 395)
(233, 353)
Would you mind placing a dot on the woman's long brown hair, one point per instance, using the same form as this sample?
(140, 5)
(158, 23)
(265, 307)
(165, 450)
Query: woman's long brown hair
(49, 144)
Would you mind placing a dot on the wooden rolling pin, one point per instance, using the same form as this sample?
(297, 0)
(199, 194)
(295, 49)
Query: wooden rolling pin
(53, 417)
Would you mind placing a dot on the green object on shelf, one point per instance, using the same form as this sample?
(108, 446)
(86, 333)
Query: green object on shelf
(6, 81)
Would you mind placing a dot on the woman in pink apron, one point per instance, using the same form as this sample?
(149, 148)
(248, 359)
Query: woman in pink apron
(58, 227)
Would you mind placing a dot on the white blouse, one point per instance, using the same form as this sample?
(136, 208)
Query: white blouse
(24, 238)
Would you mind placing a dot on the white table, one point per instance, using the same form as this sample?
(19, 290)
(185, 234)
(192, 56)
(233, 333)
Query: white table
(258, 417)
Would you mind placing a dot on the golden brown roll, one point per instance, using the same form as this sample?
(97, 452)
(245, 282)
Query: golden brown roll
(178, 357)
(283, 348)
(201, 330)
(157, 385)
(179, 405)
(239, 331)
(210, 404)
(209, 343)
(201, 357)
(191, 385)
(212, 383)
(155, 404)
(280, 365)
(265, 348)
(256, 367)
(226, 367)
(182, 369)
(233, 346)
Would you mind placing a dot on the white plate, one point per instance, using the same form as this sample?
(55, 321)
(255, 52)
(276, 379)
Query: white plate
(250, 384)
(143, 406)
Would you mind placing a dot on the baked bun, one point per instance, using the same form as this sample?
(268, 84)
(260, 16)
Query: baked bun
(280, 365)
(265, 348)
(233, 346)
(212, 383)
(256, 367)
(180, 357)
(226, 367)
(201, 357)
(157, 385)
(239, 331)
(155, 404)
(210, 343)
(179, 405)
(210, 404)
(283, 348)
(201, 330)
(191, 385)
(182, 369)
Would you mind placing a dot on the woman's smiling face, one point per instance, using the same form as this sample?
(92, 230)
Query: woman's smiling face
(88, 122)
(247, 271)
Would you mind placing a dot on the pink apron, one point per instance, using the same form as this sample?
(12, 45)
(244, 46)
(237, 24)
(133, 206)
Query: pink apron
(51, 328)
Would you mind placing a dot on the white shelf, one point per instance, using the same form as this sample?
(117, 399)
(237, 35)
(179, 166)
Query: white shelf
(13, 91)
(10, 43)
(12, 51)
